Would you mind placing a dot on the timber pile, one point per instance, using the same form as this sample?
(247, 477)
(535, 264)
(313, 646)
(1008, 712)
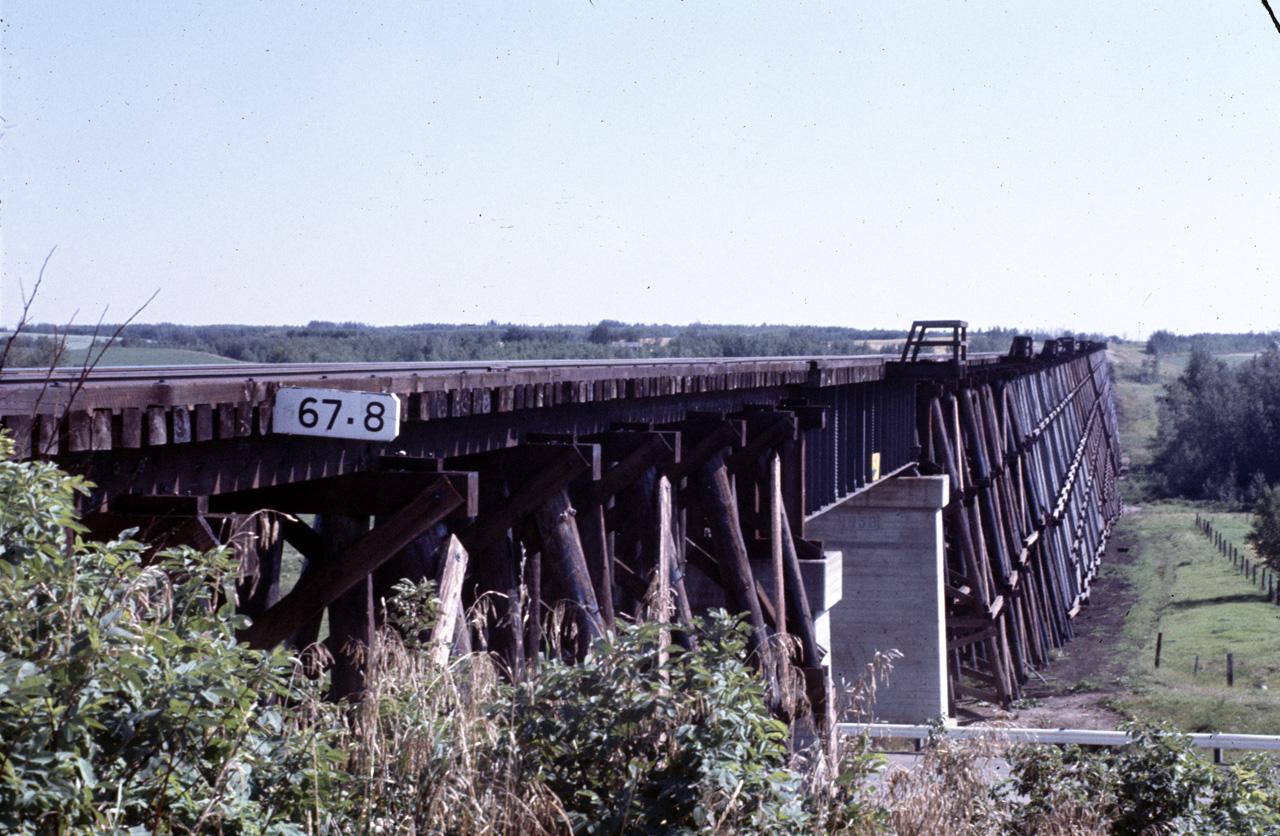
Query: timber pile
(1033, 460)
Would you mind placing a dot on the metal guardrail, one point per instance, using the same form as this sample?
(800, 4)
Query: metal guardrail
(1217, 741)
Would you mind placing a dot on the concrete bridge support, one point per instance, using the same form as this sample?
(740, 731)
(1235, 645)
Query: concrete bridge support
(891, 540)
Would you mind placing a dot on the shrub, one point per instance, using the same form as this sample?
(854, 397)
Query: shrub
(1157, 783)
(125, 700)
(631, 746)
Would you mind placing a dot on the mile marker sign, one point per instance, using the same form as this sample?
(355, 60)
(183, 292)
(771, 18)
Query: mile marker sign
(368, 416)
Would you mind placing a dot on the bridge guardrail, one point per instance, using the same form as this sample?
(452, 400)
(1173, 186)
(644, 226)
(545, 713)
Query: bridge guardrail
(1217, 741)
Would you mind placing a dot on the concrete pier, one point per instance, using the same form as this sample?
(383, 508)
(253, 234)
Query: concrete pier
(890, 537)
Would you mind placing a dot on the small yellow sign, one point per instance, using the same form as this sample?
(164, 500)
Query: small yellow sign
(875, 466)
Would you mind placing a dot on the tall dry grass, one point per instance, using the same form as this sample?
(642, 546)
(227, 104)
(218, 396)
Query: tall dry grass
(955, 790)
(431, 756)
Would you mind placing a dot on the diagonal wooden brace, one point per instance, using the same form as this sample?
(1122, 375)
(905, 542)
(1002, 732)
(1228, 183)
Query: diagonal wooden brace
(365, 555)
(565, 466)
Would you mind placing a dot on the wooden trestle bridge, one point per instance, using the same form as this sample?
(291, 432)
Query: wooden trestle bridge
(614, 488)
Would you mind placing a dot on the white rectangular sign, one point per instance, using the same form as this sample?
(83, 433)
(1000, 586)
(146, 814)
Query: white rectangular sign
(370, 416)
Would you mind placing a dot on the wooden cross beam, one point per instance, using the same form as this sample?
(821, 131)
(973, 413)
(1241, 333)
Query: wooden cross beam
(724, 434)
(159, 531)
(560, 466)
(367, 494)
(516, 464)
(309, 597)
(764, 434)
(647, 450)
(304, 538)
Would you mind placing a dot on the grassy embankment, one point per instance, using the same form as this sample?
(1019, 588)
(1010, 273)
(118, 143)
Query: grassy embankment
(1189, 593)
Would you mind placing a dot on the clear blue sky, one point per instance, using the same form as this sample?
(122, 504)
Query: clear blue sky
(1101, 165)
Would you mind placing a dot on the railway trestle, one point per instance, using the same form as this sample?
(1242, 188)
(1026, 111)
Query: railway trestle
(774, 487)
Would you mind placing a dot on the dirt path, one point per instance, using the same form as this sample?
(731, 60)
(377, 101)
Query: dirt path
(1073, 691)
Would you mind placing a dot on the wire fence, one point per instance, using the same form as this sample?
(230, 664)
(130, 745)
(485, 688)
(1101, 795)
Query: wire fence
(1258, 573)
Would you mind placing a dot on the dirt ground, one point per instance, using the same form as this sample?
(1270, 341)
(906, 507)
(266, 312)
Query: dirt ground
(1072, 692)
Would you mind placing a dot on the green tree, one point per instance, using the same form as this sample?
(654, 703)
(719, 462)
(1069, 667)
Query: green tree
(1198, 443)
(1264, 532)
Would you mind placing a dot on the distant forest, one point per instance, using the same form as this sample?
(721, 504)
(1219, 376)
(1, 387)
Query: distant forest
(356, 342)
(1165, 342)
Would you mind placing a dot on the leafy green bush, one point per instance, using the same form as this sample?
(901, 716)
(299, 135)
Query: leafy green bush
(633, 746)
(125, 701)
(1157, 783)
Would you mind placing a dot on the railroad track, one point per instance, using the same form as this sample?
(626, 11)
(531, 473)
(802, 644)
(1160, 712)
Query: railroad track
(259, 371)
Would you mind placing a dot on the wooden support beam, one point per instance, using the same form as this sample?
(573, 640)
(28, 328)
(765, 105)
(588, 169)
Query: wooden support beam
(629, 581)
(595, 545)
(655, 450)
(258, 542)
(725, 434)
(566, 575)
(367, 494)
(617, 444)
(302, 537)
(413, 464)
(159, 505)
(561, 469)
(782, 428)
(351, 615)
(352, 565)
(979, 694)
(671, 526)
(809, 416)
(159, 532)
(517, 464)
(775, 544)
(731, 553)
(453, 568)
(792, 453)
(661, 595)
(533, 579)
(799, 612)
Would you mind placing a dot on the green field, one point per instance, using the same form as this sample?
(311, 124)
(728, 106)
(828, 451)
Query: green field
(1187, 591)
(142, 356)
(1205, 609)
